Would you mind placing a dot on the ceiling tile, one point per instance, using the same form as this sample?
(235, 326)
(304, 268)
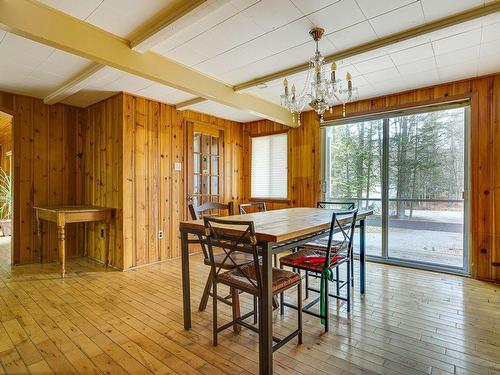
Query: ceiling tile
(310, 6)
(459, 71)
(462, 55)
(456, 42)
(408, 55)
(491, 32)
(385, 75)
(373, 8)
(337, 16)
(373, 65)
(490, 49)
(434, 10)
(421, 79)
(398, 20)
(417, 66)
(352, 36)
(164, 94)
(77, 9)
(63, 64)
(489, 65)
(272, 14)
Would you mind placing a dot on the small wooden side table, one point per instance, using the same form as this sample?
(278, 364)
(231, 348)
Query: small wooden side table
(62, 215)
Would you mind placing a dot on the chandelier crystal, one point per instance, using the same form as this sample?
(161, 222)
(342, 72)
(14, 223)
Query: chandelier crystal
(322, 89)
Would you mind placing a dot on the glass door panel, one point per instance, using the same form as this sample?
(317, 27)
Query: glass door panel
(352, 173)
(426, 185)
(203, 165)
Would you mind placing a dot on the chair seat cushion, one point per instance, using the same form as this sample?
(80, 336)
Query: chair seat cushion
(310, 259)
(223, 261)
(322, 244)
(239, 277)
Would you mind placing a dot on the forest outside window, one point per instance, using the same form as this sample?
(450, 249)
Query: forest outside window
(269, 168)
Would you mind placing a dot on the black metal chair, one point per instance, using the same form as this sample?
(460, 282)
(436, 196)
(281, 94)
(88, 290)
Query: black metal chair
(197, 213)
(336, 205)
(236, 237)
(321, 263)
(339, 207)
(258, 206)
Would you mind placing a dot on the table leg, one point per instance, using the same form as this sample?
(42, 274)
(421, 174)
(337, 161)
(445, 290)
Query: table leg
(265, 312)
(39, 237)
(85, 251)
(186, 292)
(362, 256)
(61, 244)
(108, 233)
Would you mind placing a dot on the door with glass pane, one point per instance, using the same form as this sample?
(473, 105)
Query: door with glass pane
(426, 187)
(411, 170)
(204, 164)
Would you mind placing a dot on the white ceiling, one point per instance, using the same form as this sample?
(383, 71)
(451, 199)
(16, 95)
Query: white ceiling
(244, 39)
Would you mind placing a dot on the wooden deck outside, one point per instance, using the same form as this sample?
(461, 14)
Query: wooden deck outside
(409, 322)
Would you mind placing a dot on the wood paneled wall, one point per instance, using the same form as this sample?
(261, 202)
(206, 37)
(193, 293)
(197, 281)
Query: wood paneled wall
(103, 174)
(484, 94)
(154, 140)
(47, 170)
(131, 145)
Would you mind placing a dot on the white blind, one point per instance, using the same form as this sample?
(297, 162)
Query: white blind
(270, 166)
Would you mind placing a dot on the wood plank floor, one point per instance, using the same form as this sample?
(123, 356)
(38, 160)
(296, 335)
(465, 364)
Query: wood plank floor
(410, 322)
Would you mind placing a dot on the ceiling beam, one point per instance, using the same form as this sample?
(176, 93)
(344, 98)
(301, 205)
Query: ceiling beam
(183, 105)
(442, 23)
(46, 25)
(73, 85)
(171, 21)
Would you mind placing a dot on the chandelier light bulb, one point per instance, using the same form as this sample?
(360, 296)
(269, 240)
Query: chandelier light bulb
(293, 89)
(348, 76)
(285, 82)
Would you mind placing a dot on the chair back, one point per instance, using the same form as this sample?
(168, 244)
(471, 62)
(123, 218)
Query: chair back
(246, 208)
(208, 209)
(233, 236)
(336, 205)
(345, 224)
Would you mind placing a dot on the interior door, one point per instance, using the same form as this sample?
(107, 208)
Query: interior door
(205, 159)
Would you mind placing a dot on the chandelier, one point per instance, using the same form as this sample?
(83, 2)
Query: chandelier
(322, 90)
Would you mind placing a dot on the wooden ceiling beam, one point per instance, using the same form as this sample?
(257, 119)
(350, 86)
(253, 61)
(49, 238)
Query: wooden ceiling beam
(439, 24)
(40, 23)
(73, 85)
(171, 21)
(183, 105)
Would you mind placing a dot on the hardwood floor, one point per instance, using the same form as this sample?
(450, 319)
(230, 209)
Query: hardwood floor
(410, 322)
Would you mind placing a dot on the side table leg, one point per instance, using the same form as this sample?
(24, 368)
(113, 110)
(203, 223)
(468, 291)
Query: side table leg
(61, 243)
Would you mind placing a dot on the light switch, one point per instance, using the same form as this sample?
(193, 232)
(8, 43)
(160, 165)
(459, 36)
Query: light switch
(178, 166)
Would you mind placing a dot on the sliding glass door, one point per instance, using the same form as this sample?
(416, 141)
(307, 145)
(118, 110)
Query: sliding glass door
(410, 169)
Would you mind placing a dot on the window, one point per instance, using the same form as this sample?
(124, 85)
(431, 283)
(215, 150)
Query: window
(409, 167)
(269, 170)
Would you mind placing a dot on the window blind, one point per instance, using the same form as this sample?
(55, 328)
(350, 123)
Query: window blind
(269, 170)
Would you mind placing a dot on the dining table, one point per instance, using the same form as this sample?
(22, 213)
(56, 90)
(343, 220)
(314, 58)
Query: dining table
(276, 231)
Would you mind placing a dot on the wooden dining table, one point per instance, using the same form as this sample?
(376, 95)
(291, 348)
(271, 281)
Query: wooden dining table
(276, 231)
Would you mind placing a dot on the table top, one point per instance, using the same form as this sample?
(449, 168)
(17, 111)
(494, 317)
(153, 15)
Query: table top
(282, 225)
(73, 209)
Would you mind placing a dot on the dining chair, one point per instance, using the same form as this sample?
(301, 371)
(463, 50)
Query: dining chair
(321, 264)
(339, 207)
(198, 212)
(235, 237)
(259, 206)
(335, 205)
